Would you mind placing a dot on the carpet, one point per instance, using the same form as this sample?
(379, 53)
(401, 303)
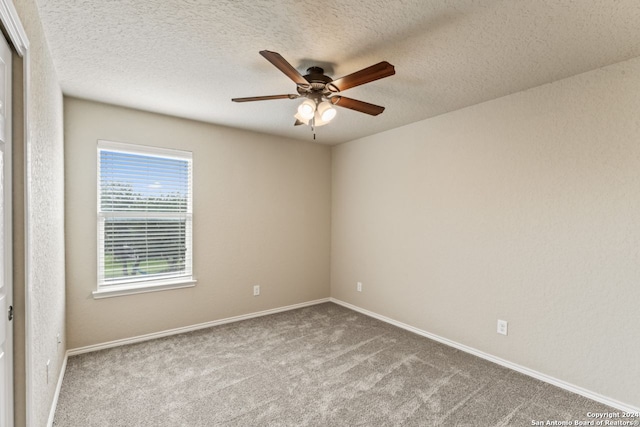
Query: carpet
(323, 365)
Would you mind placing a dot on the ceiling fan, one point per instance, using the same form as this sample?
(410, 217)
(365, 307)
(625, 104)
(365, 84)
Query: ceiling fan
(322, 92)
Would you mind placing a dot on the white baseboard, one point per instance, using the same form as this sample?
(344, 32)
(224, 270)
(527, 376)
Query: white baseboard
(523, 370)
(530, 372)
(154, 335)
(161, 334)
(54, 404)
(110, 344)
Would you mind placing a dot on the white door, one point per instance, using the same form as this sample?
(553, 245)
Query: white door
(6, 285)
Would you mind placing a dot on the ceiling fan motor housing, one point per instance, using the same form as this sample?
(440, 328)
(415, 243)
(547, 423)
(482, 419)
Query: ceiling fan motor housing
(316, 75)
(318, 82)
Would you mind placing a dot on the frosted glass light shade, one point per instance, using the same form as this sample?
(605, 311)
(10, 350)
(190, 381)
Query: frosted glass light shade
(302, 119)
(326, 111)
(307, 109)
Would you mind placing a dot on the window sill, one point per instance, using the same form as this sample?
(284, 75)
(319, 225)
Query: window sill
(131, 289)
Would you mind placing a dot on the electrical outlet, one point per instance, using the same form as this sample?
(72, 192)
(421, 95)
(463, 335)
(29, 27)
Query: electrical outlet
(359, 286)
(48, 363)
(58, 340)
(502, 327)
(256, 290)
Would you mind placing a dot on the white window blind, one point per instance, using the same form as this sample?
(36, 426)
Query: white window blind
(144, 216)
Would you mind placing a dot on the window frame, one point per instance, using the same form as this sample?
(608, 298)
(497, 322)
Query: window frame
(138, 285)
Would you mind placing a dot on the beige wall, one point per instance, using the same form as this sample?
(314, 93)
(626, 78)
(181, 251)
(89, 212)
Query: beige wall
(43, 223)
(261, 216)
(525, 208)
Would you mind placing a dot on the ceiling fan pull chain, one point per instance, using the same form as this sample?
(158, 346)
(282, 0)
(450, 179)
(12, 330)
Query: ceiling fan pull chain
(312, 122)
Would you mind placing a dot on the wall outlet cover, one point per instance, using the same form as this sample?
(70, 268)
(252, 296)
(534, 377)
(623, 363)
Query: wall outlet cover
(502, 327)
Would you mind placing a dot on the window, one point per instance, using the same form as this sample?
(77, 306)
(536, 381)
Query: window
(144, 219)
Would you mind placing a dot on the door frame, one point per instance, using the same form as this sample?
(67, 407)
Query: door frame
(18, 41)
(7, 365)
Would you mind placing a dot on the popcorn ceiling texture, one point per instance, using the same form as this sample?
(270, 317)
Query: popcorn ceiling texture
(45, 220)
(190, 57)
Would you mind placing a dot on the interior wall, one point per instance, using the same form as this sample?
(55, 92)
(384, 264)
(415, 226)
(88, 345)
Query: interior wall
(524, 208)
(39, 230)
(261, 217)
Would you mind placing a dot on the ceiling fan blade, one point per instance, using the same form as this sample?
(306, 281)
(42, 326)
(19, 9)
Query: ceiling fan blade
(298, 123)
(378, 71)
(282, 65)
(354, 104)
(265, 98)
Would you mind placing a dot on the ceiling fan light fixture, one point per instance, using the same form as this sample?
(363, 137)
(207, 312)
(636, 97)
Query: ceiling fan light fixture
(299, 117)
(321, 91)
(318, 120)
(307, 109)
(326, 111)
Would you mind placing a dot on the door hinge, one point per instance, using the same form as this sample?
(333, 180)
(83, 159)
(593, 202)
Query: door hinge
(10, 313)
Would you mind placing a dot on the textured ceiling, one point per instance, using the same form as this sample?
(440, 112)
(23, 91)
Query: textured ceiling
(188, 58)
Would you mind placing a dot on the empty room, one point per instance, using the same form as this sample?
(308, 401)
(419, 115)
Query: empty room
(286, 213)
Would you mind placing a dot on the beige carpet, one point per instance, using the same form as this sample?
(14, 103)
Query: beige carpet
(318, 366)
